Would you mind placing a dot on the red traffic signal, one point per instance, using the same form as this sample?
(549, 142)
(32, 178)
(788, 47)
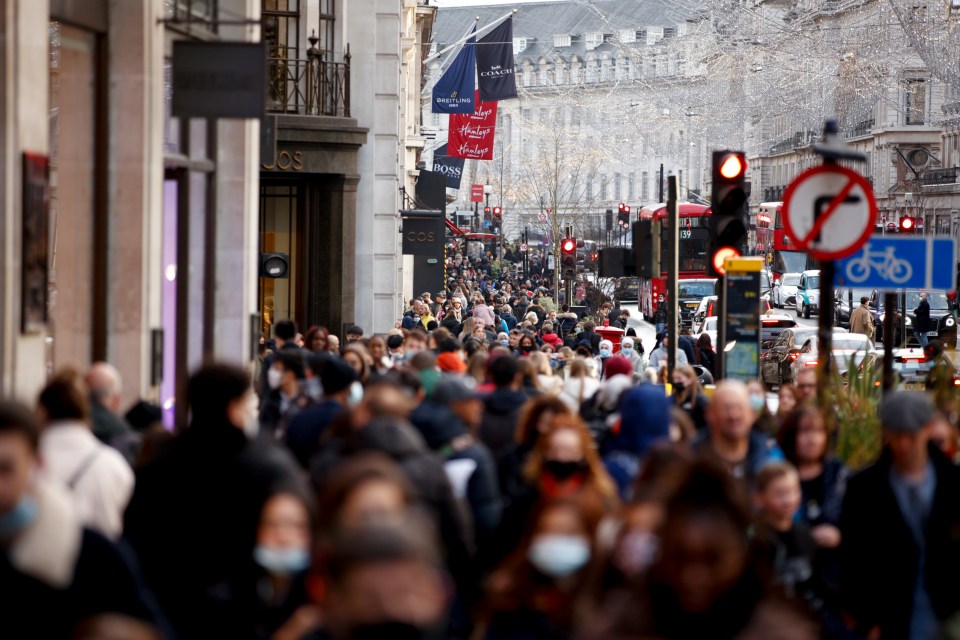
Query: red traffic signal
(497, 212)
(719, 256)
(908, 225)
(622, 207)
(733, 166)
(486, 211)
(568, 245)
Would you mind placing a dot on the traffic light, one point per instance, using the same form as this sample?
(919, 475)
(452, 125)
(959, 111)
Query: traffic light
(486, 213)
(568, 258)
(623, 216)
(730, 190)
(497, 213)
(908, 225)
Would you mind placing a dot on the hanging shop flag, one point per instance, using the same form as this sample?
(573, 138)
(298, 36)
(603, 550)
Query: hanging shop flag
(453, 93)
(471, 136)
(495, 71)
(451, 168)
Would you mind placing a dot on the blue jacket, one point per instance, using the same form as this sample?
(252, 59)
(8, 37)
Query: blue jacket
(759, 454)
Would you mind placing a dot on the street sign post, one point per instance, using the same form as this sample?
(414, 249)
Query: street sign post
(739, 343)
(891, 262)
(476, 193)
(829, 211)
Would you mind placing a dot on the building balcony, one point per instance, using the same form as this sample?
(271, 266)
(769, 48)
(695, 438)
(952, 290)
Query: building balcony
(314, 86)
(862, 128)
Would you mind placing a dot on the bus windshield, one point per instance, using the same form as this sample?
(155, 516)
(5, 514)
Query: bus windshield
(791, 262)
(692, 254)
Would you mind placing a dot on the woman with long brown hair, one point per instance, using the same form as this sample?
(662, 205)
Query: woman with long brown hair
(689, 395)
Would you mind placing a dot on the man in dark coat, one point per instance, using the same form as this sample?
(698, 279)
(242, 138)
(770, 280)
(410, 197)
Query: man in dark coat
(590, 336)
(921, 323)
(285, 336)
(900, 526)
(195, 510)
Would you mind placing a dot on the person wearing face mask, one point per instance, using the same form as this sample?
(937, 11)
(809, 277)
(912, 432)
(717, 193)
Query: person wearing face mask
(563, 463)
(605, 352)
(282, 556)
(527, 345)
(532, 593)
(54, 573)
(286, 398)
(195, 506)
(339, 392)
(688, 395)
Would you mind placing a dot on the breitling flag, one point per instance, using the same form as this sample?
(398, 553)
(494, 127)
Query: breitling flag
(495, 73)
(453, 93)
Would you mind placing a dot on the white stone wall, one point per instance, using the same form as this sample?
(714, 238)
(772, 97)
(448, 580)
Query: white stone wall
(373, 29)
(24, 123)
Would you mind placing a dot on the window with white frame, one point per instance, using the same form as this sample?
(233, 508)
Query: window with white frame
(632, 187)
(519, 44)
(617, 189)
(915, 100)
(628, 35)
(593, 40)
(561, 40)
(644, 186)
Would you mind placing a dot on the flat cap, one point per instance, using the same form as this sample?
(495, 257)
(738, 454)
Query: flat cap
(906, 411)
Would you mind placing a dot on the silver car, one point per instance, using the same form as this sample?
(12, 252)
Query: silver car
(785, 291)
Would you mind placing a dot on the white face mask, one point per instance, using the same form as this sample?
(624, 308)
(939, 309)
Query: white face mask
(274, 378)
(251, 417)
(356, 394)
(558, 555)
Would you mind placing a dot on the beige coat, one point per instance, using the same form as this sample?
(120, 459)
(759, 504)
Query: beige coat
(861, 321)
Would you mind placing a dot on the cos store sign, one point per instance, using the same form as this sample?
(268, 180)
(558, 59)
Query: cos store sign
(423, 236)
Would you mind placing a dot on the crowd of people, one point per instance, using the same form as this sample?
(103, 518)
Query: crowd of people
(492, 468)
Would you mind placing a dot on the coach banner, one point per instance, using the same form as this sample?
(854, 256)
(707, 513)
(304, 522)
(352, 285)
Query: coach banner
(471, 136)
(453, 92)
(495, 71)
(451, 168)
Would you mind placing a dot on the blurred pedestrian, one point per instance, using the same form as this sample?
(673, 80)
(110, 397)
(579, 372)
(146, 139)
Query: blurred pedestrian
(54, 572)
(689, 396)
(902, 584)
(195, 509)
(729, 438)
(99, 479)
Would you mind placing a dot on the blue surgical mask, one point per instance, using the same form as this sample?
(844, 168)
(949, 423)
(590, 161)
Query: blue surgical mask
(282, 561)
(18, 518)
(557, 555)
(505, 343)
(605, 353)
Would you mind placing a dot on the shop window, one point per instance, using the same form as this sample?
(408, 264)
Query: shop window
(279, 217)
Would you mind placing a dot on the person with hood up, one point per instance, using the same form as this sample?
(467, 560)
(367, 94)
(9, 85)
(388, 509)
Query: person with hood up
(644, 421)
(637, 362)
(606, 352)
(566, 321)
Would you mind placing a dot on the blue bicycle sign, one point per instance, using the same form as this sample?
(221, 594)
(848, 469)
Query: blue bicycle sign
(885, 263)
(896, 262)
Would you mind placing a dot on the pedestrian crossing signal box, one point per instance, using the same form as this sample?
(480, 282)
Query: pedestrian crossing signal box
(646, 248)
(274, 265)
(740, 325)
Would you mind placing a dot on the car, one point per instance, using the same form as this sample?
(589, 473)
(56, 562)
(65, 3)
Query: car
(710, 327)
(846, 346)
(808, 293)
(910, 366)
(943, 324)
(627, 289)
(846, 300)
(784, 292)
(690, 293)
(708, 307)
(772, 325)
(776, 360)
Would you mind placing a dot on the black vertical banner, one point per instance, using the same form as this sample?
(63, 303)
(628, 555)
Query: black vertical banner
(450, 167)
(495, 69)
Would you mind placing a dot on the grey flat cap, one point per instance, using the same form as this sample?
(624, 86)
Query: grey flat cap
(906, 411)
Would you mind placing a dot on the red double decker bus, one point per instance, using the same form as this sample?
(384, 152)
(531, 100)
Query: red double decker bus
(784, 256)
(692, 239)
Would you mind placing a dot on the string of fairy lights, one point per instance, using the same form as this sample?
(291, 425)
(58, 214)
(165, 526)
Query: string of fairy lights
(734, 73)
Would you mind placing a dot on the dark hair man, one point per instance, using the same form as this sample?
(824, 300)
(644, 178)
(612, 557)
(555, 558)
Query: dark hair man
(194, 512)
